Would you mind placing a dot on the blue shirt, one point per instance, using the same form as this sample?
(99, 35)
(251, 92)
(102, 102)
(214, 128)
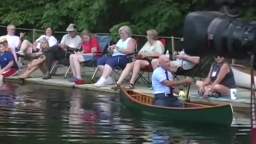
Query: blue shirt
(5, 58)
(158, 77)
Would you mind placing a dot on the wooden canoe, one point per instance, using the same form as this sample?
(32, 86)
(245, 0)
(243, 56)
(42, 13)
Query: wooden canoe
(242, 76)
(192, 112)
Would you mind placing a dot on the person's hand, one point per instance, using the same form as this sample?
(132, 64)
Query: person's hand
(112, 47)
(188, 80)
(22, 35)
(139, 56)
(179, 57)
(63, 46)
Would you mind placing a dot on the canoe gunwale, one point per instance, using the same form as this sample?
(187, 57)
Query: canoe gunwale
(200, 106)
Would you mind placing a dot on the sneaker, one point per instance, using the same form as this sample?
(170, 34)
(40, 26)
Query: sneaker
(100, 82)
(20, 53)
(46, 76)
(72, 79)
(109, 81)
(79, 82)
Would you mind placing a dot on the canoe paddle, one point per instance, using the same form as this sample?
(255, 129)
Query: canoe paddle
(187, 93)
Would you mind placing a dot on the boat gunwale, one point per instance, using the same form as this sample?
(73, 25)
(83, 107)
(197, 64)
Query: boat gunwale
(204, 106)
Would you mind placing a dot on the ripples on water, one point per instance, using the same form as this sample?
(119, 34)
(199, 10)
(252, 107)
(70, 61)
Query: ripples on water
(32, 114)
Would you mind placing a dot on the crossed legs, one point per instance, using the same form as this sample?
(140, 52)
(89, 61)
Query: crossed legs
(209, 89)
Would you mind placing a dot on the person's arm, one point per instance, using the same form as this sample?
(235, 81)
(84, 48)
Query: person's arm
(130, 48)
(62, 42)
(192, 59)
(8, 66)
(95, 46)
(207, 80)
(172, 83)
(224, 70)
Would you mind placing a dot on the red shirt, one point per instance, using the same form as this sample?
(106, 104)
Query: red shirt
(87, 46)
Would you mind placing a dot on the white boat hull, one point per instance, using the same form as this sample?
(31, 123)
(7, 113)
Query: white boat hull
(242, 79)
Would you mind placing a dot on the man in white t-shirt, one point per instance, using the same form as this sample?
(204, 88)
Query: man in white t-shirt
(13, 40)
(69, 42)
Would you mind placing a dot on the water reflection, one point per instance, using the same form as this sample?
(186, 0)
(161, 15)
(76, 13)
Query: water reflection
(39, 114)
(7, 95)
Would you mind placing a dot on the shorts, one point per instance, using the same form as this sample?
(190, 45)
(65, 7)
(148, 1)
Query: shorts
(9, 72)
(119, 61)
(88, 58)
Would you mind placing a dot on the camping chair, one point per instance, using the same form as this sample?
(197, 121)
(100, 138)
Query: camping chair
(149, 69)
(62, 62)
(104, 42)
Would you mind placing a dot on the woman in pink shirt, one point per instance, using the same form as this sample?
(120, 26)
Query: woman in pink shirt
(90, 49)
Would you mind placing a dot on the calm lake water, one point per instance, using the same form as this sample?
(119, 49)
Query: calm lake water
(35, 114)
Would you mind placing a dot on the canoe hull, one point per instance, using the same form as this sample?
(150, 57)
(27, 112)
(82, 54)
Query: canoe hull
(220, 115)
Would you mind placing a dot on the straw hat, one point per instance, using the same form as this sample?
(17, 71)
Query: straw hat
(71, 27)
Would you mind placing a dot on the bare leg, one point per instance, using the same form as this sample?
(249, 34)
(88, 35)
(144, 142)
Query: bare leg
(223, 90)
(125, 72)
(77, 59)
(136, 69)
(26, 47)
(106, 71)
(29, 71)
(100, 69)
(72, 65)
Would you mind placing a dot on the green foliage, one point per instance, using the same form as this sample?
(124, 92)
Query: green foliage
(100, 15)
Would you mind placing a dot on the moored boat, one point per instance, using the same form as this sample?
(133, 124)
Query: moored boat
(198, 112)
(242, 76)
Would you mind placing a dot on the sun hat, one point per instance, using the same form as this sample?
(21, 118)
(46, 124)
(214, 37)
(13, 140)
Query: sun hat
(71, 27)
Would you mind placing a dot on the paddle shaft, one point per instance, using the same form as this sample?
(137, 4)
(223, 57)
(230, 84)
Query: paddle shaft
(187, 94)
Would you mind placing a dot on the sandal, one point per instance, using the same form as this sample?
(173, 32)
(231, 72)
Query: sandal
(116, 87)
(131, 86)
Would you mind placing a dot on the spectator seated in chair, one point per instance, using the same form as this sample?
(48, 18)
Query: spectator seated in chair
(29, 50)
(90, 48)
(163, 84)
(219, 81)
(7, 61)
(120, 56)
(152, 48)
(38, 62)
(69, 43)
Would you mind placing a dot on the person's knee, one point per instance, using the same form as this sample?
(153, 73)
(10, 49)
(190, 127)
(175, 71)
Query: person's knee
(26, 42)
(71, 57)
(154, 63)
(217, 87)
